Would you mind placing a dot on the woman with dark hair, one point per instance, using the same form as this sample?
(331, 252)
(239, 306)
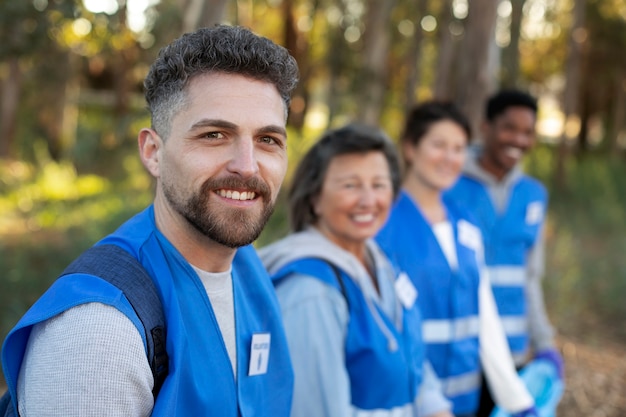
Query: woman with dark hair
(351, 320)
(441, 249)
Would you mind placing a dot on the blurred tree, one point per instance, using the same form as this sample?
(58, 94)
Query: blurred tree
(603, 78)
(297, 43)
(618, 117)
(24, 42)
(571, 93)
(374, 60)
(475, 81)
(444, 81)
(202, 13)
(338, 60)
(413, 54)
(510, 68)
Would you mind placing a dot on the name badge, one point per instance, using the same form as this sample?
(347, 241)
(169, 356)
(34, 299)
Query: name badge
(534, 213)
(406, 291)
(469, 235)
(259, 354)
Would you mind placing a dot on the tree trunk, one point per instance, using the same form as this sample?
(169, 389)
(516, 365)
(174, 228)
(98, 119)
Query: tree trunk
(203, 13)
(335, 56)
(413, 57)
(297, 44)
(619, 113)
(8, 111)
(122, 65)
(510, 55)
(474, 81)
(571, 93)
(50, 118)
(375, 58)
(444, 86)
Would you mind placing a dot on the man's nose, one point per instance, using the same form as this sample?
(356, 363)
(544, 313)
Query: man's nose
(243, 158)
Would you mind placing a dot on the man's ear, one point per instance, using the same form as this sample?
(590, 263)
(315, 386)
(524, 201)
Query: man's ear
(150, 147)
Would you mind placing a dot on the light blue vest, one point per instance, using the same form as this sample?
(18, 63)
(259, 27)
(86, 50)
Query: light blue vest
(200, 380)
(508, 238)
(448, 299)
(382, 377)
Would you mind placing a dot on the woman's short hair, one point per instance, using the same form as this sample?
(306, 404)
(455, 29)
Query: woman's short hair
(309, 176)
(421, 118)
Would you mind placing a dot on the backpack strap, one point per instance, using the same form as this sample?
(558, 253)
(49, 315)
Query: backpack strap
(118, 267)
(6, 407)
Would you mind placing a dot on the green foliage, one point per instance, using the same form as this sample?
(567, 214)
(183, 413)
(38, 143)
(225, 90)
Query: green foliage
(586, 242)
(49, 214)
(25, 25)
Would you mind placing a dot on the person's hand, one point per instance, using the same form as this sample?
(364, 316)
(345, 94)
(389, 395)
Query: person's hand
(553, 356)
(531, 412)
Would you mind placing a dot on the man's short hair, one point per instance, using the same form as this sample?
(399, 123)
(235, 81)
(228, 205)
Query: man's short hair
(226, 49)
(501, 101)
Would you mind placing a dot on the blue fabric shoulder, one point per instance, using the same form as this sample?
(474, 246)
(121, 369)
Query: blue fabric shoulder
(316, 267)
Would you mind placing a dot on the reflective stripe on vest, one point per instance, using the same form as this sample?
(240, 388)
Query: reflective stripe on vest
(514, 325)
(460, 384)
(446, 331)
(403, 411)
(507, 275)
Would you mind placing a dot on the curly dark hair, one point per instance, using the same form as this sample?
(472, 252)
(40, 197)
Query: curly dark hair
(309, 176)
(227, 49)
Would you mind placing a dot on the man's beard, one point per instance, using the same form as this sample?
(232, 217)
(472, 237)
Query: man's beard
(231, 227)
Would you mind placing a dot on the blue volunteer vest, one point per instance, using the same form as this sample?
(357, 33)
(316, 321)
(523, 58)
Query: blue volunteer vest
(508, 238)
(200, 379)
(448, 299)
(381, 377)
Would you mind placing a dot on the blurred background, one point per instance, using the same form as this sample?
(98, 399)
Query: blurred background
(71, 105)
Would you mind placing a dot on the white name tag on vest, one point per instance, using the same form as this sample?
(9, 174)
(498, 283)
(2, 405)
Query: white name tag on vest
(534, 213)
(406, 291)
(469, 235)
(259, 354)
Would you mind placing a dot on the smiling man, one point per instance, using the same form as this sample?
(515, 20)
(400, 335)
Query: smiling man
(510, 208)
(217, 148)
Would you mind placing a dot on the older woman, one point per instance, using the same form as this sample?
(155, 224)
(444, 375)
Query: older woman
(440, 247)
(351, 320)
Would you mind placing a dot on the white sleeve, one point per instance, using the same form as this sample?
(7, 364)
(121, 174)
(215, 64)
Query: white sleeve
(541, 331)
(88, 361)
(507, 389)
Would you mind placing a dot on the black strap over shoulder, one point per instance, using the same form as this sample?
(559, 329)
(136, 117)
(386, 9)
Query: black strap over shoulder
(6, 407)
(120, 268)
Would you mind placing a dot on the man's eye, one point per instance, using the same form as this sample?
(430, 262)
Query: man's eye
(213, 135)
(269, 140)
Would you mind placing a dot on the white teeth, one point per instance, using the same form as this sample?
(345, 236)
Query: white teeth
(364, 217)
(514, 153)
(237, 195)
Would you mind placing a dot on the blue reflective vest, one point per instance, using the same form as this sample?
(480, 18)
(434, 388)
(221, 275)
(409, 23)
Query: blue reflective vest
(508, 238)
(383, 376)
(448, 299)
(200, 379)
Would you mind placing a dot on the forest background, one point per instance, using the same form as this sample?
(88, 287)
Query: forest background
(71, 99)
